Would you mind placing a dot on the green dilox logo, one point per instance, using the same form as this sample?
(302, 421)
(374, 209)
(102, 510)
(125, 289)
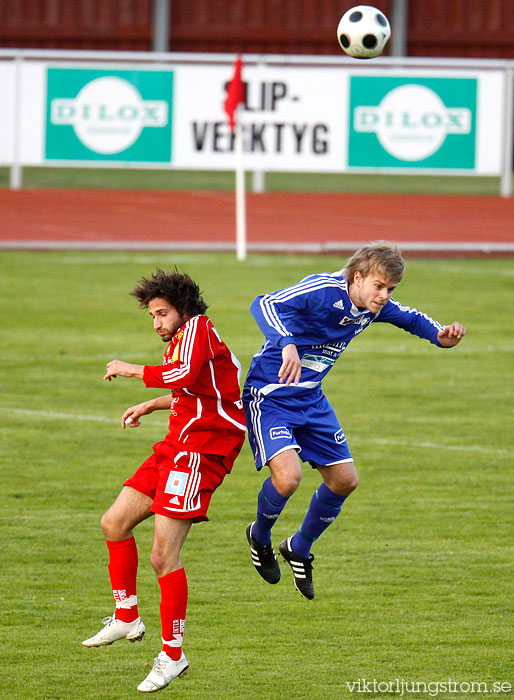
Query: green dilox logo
(119, 115)
(412, 122)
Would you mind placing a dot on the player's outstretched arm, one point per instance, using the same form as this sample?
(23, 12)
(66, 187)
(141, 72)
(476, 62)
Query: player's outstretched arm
(134, 413)
(117, 368)
(451, 335)
(291, 368)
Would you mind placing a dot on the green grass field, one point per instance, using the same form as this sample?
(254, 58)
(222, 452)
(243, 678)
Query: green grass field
(129, 178)
(413, 582)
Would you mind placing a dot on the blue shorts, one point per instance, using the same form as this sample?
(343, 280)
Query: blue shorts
(309, 426)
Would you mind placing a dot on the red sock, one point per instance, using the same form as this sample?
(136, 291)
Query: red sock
(123, 573)
(173, 611)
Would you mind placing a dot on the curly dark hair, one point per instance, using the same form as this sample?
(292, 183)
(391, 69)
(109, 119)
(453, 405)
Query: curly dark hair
(177, 288)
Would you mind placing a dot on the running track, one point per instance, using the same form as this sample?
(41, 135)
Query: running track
(295, 222)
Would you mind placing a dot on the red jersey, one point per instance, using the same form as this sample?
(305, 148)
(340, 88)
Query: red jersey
(206, 413)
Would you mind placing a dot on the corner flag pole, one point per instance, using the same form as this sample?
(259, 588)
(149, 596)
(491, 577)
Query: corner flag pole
(235, 96)
(240, 192)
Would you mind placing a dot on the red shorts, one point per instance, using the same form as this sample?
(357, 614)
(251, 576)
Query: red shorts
(180, 483)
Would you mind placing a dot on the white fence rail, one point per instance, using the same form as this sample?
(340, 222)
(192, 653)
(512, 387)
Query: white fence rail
(301, 113)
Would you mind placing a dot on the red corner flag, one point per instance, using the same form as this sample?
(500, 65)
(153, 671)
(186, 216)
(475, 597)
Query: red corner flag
(235, 93)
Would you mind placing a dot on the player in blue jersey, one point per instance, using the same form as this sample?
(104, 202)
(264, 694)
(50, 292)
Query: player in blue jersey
(307, 327)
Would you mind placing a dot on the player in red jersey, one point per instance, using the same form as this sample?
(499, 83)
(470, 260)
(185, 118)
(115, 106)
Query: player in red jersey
(206, 433)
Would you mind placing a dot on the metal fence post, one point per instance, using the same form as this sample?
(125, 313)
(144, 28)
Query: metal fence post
(508, 140)
(161, 25)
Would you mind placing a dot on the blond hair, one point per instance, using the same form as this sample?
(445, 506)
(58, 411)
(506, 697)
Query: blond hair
(379, 256)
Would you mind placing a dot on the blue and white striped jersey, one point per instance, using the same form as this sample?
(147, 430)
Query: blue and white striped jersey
(318, 316)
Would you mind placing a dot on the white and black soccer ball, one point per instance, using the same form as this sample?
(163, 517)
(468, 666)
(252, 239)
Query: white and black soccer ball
(363, 32)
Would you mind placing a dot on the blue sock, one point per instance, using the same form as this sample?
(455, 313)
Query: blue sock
(270, 503)
(324, 508)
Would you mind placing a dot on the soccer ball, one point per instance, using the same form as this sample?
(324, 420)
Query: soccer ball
(363, 32)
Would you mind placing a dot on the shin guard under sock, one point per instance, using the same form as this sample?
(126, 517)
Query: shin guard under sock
(270, 503)
(123, 562)
(324, 508)
(173, 612)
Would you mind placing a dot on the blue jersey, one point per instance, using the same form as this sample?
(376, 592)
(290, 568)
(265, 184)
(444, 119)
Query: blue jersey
(318, 316)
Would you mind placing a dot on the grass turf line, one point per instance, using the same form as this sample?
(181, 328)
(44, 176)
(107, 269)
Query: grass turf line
(130, 178)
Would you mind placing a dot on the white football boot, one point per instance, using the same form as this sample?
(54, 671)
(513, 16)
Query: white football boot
(117, 629)
(163, 672)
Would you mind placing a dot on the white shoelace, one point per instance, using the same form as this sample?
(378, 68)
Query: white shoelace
(159, 664)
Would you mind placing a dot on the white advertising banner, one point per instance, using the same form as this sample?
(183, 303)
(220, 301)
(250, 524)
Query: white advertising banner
(7, 118)
(295, 118)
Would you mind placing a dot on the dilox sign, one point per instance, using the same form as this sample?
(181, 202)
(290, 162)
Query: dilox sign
(409, 122)
(99, 115)
(109, 114)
